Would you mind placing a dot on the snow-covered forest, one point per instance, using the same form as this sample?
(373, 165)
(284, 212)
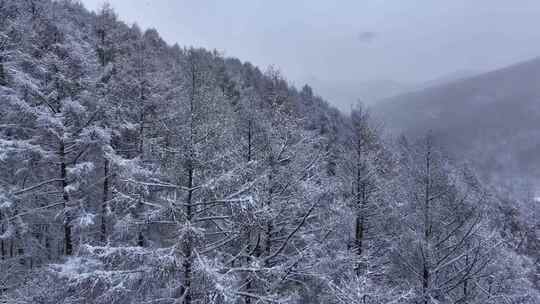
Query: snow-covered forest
(133, 171)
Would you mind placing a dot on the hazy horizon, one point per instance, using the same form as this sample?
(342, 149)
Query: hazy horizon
(348, 49)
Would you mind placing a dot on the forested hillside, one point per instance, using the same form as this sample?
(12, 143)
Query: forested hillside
(132, 171)
(490, 119)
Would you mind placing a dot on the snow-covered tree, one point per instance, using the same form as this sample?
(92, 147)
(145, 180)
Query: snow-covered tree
(132, 171)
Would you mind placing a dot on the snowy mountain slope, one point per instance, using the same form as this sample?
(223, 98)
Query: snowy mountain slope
(133, 171)
(493, 117)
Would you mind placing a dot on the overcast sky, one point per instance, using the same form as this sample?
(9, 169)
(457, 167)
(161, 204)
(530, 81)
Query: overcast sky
(338, 44)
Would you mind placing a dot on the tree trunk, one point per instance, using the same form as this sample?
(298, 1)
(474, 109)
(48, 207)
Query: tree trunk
(2, 248)
(138, 211)
(249, 140)
(47, 242)
(466, 281)
(140, 148)
(269, 226)
(188, 248)
(3, 78)
(68, 242)
(360, 204)
(102, 33)
(427, 227)
(247, 300)
(105, 201)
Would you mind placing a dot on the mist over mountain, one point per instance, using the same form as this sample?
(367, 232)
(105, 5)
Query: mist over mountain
(491, 119)
(445, 79)
(345, 94)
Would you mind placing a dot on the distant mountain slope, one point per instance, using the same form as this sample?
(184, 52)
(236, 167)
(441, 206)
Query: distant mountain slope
(492, 118)
(344, 94)
(447, 78)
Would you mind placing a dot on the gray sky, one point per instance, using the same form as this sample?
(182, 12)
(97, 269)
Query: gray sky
(338, 44)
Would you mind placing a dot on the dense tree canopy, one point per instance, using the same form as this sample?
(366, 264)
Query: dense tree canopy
(132, 171)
